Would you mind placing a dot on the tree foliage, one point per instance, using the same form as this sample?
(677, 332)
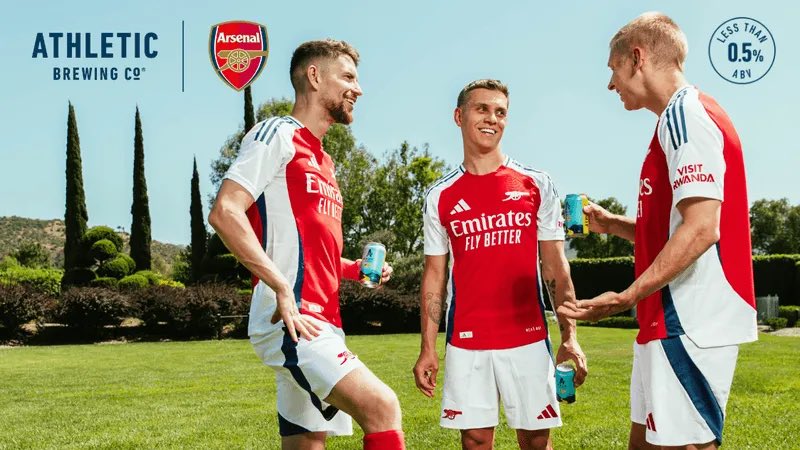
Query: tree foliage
(775, 226)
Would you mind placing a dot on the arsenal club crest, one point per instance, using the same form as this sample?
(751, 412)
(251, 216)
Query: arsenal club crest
(238, 51)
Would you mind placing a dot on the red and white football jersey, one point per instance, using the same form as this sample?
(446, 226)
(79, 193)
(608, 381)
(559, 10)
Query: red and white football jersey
(491, 225)
(296, 216)
(696, 152)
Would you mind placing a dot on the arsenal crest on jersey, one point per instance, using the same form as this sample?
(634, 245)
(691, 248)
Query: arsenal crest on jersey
(238, 51)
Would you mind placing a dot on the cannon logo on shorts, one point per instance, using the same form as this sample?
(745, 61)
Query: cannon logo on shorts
(238, 51)
(451, 414)
(346, 356)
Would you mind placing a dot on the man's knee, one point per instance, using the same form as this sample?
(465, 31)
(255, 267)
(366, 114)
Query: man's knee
(533, 439)
(385, 406)
(477, 439)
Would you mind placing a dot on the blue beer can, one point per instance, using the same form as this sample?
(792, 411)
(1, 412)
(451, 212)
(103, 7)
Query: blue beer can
(565, 384)
(576, 222)
(372, 264)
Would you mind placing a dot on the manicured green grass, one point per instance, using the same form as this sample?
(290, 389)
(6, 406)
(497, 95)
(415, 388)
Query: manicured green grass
(216, 394)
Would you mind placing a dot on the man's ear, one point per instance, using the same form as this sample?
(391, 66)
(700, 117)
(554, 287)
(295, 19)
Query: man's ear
(637, 57)
(457, 116)
(314, 76)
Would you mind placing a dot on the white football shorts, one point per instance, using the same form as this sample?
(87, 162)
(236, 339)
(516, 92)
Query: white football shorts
(679, 391)
(305, 374)
(522, 377)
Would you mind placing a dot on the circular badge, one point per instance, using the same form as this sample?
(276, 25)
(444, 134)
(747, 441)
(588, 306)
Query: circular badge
(741, 50)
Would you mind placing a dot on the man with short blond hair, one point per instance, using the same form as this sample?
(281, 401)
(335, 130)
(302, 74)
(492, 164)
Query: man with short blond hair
(279, 211)
(694, 281)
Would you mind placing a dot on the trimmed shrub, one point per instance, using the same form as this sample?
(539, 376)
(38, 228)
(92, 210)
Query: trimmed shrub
(89, 309)
(222, 264)
(45, 281)
(9, 262)
(19, 305)
(79, 276)
(776, 322)
(99, 233)
(132, 282)
(777, 275)
(117, 267)
(171, 283)
(790, 313)
(105, 282)
(103, 250)
(592, 277)
(612, 322)
(152, 277)
(196, 311)
(382, 310)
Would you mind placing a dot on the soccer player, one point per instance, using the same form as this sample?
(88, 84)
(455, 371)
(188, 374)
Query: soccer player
(495, 218)
(279, 211)
(694, 281)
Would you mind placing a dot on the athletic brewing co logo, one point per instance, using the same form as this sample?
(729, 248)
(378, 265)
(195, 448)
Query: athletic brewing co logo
(238, 51)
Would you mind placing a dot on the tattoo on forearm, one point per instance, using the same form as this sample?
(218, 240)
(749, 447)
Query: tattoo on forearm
(551, 290)
(433, 306)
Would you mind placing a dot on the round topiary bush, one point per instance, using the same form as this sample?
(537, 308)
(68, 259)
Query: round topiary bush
(152, 277)
(98, 233)
(129, 261)
(103, 250)
(117, 268)
(106, 282)
(132, 282)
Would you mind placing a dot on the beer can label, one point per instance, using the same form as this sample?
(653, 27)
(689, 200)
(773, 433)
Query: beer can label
(372, 264)
(565, 384)
(575, 221)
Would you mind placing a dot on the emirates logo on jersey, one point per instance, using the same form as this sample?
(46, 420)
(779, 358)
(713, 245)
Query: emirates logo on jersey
(489, 230)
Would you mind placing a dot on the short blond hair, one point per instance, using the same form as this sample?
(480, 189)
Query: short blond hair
(655, 32)
(492, 85)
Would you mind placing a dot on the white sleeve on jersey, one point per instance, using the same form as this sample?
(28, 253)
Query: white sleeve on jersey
(693, 145)
(258, 162)
(549, 220)
(436, 240)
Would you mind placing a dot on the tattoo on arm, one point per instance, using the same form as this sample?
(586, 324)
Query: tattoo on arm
(433, 305)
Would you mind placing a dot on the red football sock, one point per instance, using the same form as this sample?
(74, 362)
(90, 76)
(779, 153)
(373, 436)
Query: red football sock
(384, 440)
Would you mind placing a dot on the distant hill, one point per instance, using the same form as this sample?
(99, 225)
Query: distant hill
(50, 233)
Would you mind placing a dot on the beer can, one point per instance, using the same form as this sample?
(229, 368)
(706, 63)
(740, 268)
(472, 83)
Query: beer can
(372, 264)
(565, 384)
(576, 222)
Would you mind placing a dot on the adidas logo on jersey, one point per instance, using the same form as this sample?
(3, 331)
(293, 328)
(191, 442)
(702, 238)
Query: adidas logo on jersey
(548, 413)
(515, 195)
(461, 206)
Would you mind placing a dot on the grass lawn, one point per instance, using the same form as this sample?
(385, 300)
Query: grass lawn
(216, 394)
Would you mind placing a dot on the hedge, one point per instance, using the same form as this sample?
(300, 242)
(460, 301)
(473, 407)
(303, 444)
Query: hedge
(790, 313)
(18, 306)
(89, 309)
(45, 281)
(778, 275)
(116, 267)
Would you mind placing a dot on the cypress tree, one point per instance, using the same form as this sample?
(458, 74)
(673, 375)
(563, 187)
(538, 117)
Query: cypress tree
(249, 115)
(140, 227)
(199, 234)
(75, 215)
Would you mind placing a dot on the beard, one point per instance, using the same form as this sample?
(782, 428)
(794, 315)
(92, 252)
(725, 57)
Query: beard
(338, 112)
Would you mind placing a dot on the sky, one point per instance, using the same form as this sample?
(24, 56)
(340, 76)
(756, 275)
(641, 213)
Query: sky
(415, 58)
